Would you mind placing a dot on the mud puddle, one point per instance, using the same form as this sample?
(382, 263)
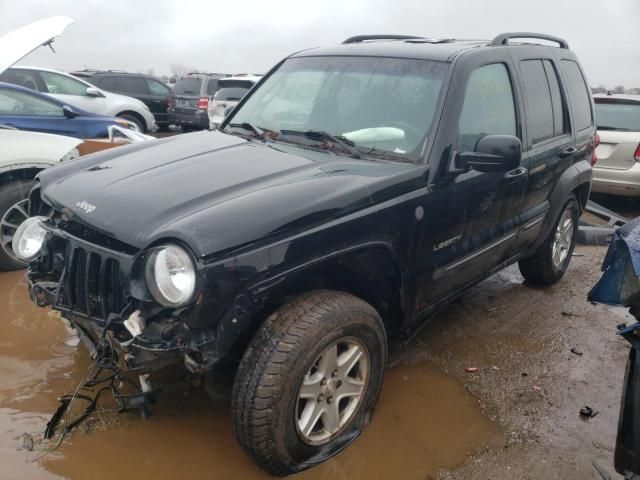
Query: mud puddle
(425, 419)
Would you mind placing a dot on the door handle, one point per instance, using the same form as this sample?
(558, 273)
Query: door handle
(518, 172)
(568, 152)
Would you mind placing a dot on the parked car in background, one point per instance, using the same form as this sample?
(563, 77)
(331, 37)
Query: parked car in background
(230, 92)
(26, 109)
(618, 169)
(79, 93)
(357, 190)
(22, 156)
(151, 91)
(189, 101)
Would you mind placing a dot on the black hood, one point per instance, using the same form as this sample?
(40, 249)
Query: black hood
(211, 190)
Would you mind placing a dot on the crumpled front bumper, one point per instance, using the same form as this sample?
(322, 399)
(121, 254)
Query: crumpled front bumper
(159, 345)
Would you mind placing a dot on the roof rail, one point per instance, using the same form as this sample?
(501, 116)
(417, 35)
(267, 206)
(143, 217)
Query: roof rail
(503, 38)
(364, 38)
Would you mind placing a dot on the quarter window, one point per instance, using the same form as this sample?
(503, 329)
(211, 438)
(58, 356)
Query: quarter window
(578, 94)
(488, 107)
(560, 124)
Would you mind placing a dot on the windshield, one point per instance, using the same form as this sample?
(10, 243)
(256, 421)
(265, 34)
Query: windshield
(383, 106)
(187, 86)
(618, 116)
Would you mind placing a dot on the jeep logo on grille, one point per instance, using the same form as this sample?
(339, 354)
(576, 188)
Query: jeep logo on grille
(86, 206)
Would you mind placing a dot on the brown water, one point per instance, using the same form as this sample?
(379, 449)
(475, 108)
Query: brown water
(424, 420)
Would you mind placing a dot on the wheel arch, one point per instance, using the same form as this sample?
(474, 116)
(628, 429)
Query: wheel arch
(371, 272)
(136, 115)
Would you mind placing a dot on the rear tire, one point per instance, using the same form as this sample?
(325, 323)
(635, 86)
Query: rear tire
(11, 215)
(551, 260)
(309, 380)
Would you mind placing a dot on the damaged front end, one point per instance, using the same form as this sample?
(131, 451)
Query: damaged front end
(101, 286)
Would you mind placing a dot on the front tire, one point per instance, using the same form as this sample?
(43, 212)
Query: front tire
(130, 117)
(550, 262)
(13, 211)
(309, 380)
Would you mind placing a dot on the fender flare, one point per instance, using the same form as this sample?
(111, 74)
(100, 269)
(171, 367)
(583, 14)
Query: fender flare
(573, 177)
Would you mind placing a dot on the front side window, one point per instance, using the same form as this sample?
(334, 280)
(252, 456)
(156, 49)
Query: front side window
(488, 107)
(62, 85)
(157, 88)
(382, 106)
(23, 104)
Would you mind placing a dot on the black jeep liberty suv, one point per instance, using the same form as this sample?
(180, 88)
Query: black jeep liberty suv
(354, 192)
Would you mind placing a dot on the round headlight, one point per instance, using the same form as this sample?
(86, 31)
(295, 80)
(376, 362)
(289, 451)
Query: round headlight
(29, 238)
(171, 275)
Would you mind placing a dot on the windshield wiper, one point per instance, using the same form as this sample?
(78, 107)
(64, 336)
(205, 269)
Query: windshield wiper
(339, 140)
(250, 126)
(606, 127)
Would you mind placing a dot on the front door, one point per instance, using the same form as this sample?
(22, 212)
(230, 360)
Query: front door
(482, 208)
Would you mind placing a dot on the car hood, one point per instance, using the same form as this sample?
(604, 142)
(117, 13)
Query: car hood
(211, 190)
(33, 147)
(17, 44)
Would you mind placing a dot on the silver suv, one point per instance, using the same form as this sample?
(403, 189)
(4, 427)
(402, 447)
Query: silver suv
(618, 169)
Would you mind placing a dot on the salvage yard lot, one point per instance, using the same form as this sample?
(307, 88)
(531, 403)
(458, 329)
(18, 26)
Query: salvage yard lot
(515, 417)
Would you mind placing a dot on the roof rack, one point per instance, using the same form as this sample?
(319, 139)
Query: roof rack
(364, 38)
(503, 38)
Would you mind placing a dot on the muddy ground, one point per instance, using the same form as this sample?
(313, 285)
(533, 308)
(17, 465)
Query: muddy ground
(515, 418)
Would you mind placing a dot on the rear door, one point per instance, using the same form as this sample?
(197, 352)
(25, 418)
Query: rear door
(549, 145)
(159, 98)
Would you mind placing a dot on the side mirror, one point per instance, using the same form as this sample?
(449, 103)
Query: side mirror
(94, 92)
(69, 112)
(493, 153)
(228, 110)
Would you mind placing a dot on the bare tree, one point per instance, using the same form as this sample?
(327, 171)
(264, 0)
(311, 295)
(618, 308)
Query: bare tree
(178, 70)
(599, 89)
(619, 89)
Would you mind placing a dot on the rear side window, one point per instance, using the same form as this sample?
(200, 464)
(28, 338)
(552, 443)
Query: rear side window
(157, 88)
(488, 107)
(623, 116)
(132, 85)
(187, 86)
(107, 83)
(22, 78)
(230, 94)
(578, 94)
(539, 110)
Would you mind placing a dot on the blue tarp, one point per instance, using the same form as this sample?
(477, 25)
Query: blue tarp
(621, 266)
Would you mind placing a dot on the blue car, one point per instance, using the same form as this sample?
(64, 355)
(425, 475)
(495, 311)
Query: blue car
(26, 109)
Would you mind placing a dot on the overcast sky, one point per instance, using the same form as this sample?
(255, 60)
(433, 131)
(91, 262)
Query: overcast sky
(252, 35)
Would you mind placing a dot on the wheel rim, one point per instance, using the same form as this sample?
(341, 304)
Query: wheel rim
(11, 220)
(332, 391)
(563, 239)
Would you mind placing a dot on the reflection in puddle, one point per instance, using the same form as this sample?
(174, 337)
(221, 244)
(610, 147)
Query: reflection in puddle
(424, 419)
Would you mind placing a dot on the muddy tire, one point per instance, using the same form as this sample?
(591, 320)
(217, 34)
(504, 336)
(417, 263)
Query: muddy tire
(11, 195)
(551, 260)
(291, 409)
